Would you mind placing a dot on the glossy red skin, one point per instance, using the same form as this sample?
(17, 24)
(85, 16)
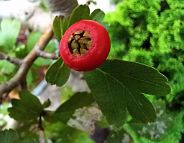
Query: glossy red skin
(98, 52)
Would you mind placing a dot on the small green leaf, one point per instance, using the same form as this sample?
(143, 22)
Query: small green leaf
(9, 136)
(66, 93)
(27, 108)
(7, 67)
(8, 34)
(58, 73)
(118, 86)
(57, 27)
(79, 13)
(20, 51)
(32, 39)
(97, 15)
(66, 110)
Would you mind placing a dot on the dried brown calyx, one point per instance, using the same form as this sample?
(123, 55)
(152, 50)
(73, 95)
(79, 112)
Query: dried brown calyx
(79, 42)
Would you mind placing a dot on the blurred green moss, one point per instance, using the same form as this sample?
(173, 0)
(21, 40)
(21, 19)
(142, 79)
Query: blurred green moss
(152, 32)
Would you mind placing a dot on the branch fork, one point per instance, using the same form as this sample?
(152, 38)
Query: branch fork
(25, 64)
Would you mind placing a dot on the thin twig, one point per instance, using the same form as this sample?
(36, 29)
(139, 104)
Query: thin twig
(64, 7)
(26, 64)
(46, 55)
(12, 60)
(23, 84)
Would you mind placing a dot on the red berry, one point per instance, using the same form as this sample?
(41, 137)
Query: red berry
(85, 45)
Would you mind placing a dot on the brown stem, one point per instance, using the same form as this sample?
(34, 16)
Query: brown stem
(23, 84)
(12, 60)
(26, 64)
(64, 7)
(46, 55)
(40, 126)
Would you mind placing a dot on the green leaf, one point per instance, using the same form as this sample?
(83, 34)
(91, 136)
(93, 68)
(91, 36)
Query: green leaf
(8, 34)
(20, 51)
(8, 136)
(66, 110)
(118, 86)
(62, 133)
(65, 24)
(32, 39)
(57, 27)
(52, 46)
(27, 108)
(60, 25)
(138, 76)
(44, 5)
(58, 73)
(7, 67)
(140, 108)
(30, 78)
(40, 62)
(79, 13)
(109, 94)
(97, 15)
(66, 93)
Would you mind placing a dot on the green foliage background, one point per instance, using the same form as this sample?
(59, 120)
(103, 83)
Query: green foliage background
(152, 32)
